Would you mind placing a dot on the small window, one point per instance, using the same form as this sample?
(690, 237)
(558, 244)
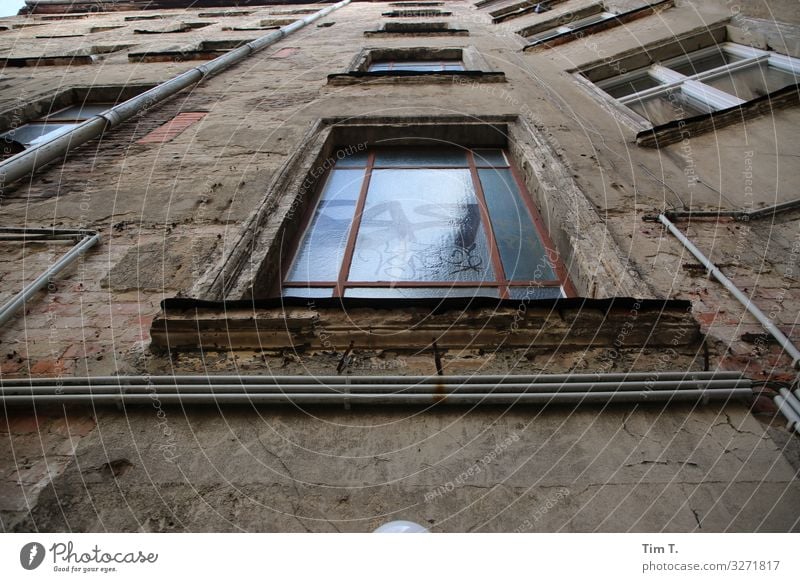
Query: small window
(588, 20)
(172, 28)
(704, 81)
(417, 29)
(49, 127)
(424, 222)
(415, 4)
(569, 27)
(225, 13)
(417, 13)
(419, 66)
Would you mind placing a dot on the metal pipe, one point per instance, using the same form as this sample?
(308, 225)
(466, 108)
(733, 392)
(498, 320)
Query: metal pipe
(49, 231)
(563, 388)
(788, 412)
(8, 309)
(354, 380)
(790, 399)
(784, 341)
(33, 158)
(740, 215)
(373, 399)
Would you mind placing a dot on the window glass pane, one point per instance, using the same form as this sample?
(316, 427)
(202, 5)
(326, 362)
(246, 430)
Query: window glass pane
(543, 36)
(421, 225)
(421, 157)
(631, 85)
(32, 134)
(345, 160)
(420, 292)
(84, 111)
(322, 248)
(589, 20)
(490, 158)
(532, 293)
(420, 66)
(697, 64)
(308, 292)
(665, 107)
(379, 66)
(752, 82)
(521, 250)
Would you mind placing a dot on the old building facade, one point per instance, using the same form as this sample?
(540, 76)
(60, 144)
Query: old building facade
(466, 192)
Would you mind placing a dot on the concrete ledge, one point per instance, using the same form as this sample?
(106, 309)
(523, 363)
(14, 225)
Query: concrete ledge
(675, 131)
(410, 324)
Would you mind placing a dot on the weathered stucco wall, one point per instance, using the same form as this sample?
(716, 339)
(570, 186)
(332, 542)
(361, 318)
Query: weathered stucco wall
(168, 213)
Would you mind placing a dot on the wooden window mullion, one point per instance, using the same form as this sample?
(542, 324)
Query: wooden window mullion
(344, 270)
(499, 272)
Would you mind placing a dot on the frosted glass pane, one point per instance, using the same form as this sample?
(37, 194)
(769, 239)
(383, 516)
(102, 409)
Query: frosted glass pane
(533, 293)
(308, 292)
(32, 134)
(521, 250)
(420, 292)
(322, 248)
(752, 82)
(421, 225)
(421, 157)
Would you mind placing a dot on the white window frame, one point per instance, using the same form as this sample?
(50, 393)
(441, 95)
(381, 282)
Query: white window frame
(704, 96)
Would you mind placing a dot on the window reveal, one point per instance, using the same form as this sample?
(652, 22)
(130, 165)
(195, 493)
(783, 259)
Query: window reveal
(51, 126)
(424, 223)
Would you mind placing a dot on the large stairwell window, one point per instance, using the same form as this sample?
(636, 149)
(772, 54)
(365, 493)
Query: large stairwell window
(421, 223)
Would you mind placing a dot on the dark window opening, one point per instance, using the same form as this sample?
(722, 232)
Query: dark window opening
(177, 27)
(39, 131)
(417, 28)
(418, 13)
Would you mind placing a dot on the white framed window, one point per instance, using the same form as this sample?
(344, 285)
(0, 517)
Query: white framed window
(704, 81)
